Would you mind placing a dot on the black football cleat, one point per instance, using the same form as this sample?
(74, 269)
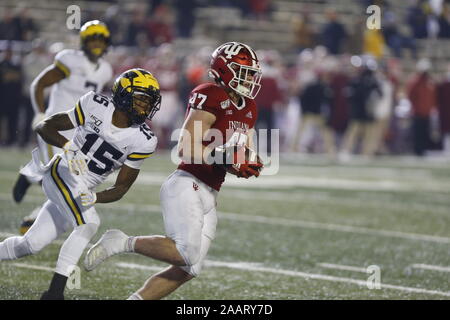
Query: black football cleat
(20, 188)
(48, 296)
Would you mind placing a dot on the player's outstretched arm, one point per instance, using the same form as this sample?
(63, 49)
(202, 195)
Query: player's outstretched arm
(124, 181)
(49, 129)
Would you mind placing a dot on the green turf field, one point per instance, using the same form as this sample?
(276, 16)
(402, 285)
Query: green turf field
(309, 232)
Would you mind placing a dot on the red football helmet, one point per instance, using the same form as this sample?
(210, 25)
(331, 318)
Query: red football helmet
(236, 66)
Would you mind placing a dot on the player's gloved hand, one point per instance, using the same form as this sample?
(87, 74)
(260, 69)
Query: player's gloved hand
(246, 170)
(38, 117)
(75, 158)
(88, 198)
(241, 161)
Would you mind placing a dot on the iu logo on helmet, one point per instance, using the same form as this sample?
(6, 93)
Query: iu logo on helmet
(232, 49)
(195, 186)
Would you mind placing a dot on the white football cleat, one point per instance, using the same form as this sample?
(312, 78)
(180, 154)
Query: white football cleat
(111, 243)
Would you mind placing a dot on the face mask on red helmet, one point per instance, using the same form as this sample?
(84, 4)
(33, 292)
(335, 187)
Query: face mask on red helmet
(236, 66)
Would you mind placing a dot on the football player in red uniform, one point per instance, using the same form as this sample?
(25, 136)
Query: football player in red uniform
(225, 110)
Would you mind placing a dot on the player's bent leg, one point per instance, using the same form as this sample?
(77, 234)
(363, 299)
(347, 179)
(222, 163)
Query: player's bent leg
(14, 247)
(183, 212)
(28, 221)
(70, 253)
(73, 248)
(48, 226)
(162, 284)
(112, 242)
(160, 248)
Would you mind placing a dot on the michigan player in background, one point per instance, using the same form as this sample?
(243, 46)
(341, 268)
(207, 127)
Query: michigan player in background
(73, 73)
(189, 195)
(110, 135)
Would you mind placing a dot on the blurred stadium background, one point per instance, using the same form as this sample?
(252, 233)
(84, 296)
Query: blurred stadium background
(364, 174)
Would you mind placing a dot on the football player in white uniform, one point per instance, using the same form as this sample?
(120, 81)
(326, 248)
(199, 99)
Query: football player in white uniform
(110, 134)
(73, 73)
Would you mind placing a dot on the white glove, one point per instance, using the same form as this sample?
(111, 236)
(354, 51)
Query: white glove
(38, 117)
(88, 198)
(75, 158)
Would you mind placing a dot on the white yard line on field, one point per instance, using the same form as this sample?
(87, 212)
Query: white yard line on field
(280, 222)
(430, 267)
(289, 181)
(310, 276)
(342, 267)
(138, 266)
(325, 198)
(32, 266)
(244, 266)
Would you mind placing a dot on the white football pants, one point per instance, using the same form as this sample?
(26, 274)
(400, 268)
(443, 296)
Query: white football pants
(190, 219)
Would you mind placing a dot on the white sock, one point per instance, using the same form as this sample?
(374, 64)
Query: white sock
(135, 296)
(131, 242)
(73, 248)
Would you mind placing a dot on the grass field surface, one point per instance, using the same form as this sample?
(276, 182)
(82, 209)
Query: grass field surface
(309, 232)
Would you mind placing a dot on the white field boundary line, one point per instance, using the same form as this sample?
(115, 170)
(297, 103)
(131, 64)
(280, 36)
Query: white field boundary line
(342, 267)
(430, 267)
(310, 276)
(286, 222)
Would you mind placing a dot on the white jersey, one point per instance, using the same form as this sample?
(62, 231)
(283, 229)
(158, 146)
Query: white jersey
(106, 146)
(82, 76)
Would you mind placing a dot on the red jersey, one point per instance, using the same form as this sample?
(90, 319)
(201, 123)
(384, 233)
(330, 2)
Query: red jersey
(229, 119)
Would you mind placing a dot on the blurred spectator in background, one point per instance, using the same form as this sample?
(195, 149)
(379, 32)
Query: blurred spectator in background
(271, 94)
(160, 26)
(364, 92)
(333, 33)
(303, 34)
(27, 29)
(373, 43)
(185, 18)
(395, 39)
(135, 27)
(443, 103)
(339, 107)
(9, 29)
(421, 92)
(417, 18)
(11, 93)
(315, 100)
(164, 65)
(112, 18)
(33, 63)
(444, 21)
(383, 107)
(260, 9)
(194, 71)
(356, 36)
